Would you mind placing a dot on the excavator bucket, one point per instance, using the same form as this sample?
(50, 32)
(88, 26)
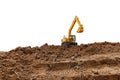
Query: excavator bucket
(80, 29)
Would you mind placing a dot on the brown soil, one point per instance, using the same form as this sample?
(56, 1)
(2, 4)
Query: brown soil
(97, 61)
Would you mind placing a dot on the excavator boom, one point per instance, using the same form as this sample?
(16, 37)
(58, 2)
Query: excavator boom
(80, 28)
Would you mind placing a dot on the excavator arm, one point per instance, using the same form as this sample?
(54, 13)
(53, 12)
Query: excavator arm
(80, 28)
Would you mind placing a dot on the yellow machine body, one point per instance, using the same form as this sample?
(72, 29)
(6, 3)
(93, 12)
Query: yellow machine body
(71, 39)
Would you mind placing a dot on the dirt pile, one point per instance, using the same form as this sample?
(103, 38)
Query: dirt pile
(97, 61)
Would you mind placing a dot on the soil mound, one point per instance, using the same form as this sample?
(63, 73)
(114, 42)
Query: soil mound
(96, 61)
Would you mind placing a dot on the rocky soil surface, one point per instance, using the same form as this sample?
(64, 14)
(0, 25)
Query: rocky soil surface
(95, 61)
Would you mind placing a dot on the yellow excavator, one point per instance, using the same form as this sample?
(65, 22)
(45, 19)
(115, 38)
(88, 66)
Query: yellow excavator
(71, 39)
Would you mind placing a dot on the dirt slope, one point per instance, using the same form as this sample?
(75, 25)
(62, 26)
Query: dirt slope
(97, 61)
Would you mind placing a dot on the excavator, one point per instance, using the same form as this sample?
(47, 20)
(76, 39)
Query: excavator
(71, 39)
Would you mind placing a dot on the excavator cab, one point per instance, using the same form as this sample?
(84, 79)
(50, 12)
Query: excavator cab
(73, 38)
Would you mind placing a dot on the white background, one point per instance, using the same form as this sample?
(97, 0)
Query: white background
(36, 22)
